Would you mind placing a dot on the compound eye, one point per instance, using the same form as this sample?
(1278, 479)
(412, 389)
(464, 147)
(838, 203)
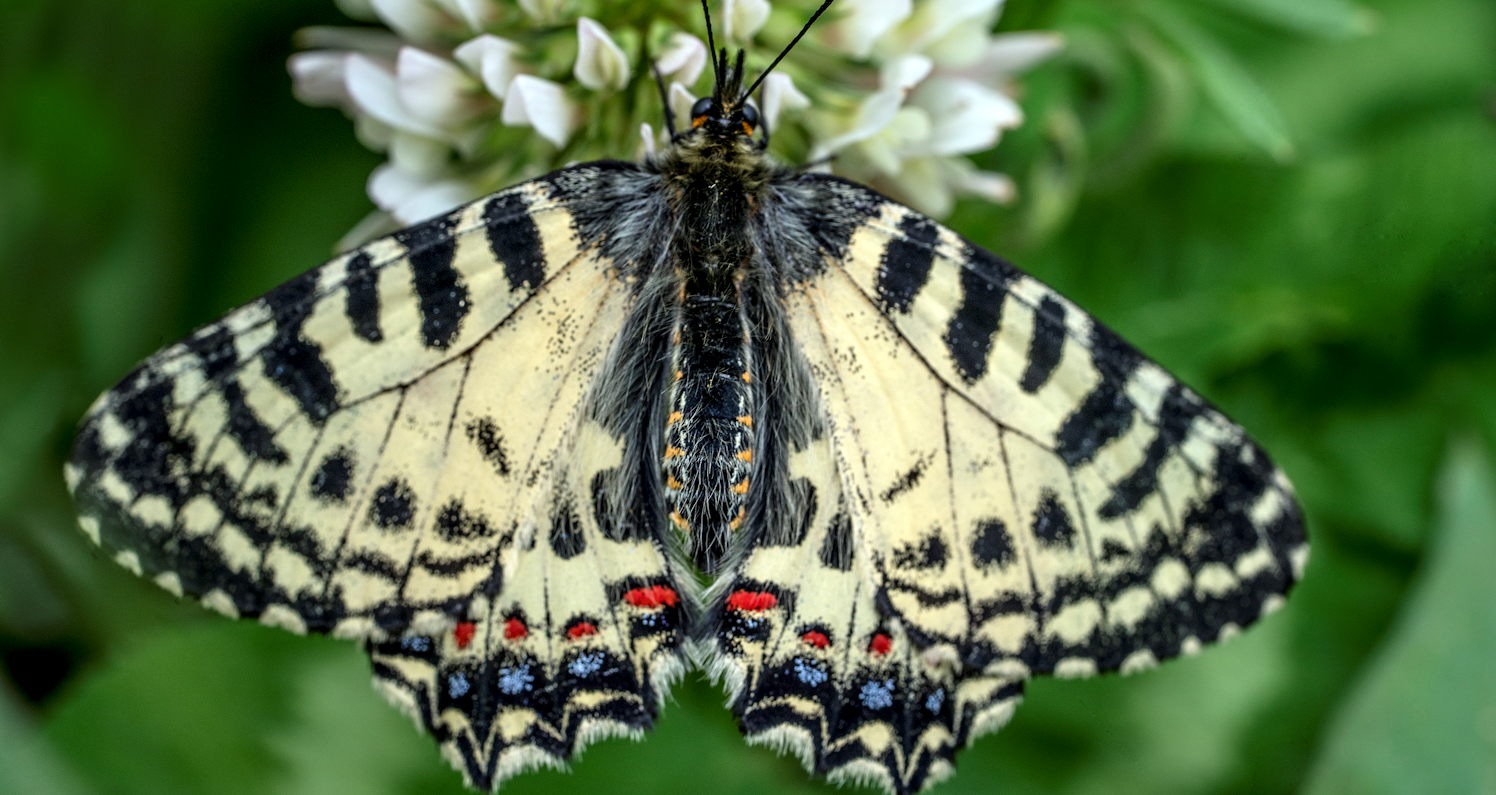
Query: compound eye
(750, 115)
(702, 107)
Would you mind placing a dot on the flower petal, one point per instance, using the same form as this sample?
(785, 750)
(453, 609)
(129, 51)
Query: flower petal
(541, 104)
(414, 20)
(684, 59)
(1011, 53)
(317, 78)
(369, 41)
(933, 19)
(681, 100)
(742, 19)
(492, 58)
(371, 86)
(780, 94)
(436, 90)
(863, 22)
(478, 14)
(357, 9)
(879, 108)
(418, 156)
(968, 117)
(990, 185)
(601, 63)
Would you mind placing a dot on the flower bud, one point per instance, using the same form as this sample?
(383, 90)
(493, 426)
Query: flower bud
(601, 64)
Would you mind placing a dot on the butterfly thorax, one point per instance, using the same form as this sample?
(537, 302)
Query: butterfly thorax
(715, 183)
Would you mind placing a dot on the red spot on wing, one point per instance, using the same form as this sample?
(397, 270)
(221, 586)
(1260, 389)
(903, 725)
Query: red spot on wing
(464, 632)
(514, 629)
(581, 629)
(880, 645)
(652, 596)
(751, 600)
(816, 639)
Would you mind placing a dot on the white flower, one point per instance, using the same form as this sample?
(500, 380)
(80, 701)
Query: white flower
(372, 88)
(478, 14)
(879, 108)
(491, 58)
(601, 64)
(542, 104)
(967, 117)
(414, 20)
(742, 19)
(780, 93)
(411, 198)
(914, 86)
(932, 20)
(438, 91)
(863, 22)
(317, 78)
(684, 59)
(1010, 53)
(681, 100)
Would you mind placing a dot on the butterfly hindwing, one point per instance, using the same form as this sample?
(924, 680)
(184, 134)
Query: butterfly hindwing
(1004, 489)
(401, 447)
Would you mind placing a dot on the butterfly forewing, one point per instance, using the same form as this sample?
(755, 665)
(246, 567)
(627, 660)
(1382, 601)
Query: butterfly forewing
(399, 447)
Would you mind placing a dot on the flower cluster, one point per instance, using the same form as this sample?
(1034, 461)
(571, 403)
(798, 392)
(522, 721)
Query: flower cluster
(467, 96)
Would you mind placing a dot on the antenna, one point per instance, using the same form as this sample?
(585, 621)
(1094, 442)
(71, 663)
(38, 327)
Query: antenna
(711, 43)
(786, 51)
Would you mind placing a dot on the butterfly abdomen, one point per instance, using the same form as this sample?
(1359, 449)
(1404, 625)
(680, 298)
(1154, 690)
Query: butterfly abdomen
(709, 432)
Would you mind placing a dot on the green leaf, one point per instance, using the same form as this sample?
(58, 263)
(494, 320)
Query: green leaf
(27, 764)
(1329, 19)
(1424, 718)
(1228, 85)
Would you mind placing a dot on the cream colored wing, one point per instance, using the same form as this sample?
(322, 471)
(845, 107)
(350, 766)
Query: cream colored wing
(1003, 488)
(400, 447)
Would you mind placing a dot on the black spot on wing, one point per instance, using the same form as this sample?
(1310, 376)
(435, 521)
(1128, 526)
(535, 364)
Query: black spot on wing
(1052, 524)
(968, 337)
(991, 546)
(836, 550)
(514, 240)
(484, 433)
(1222, 523)
(253, 436)
(215, 350)
(444, 298)
(292, 362)
(906, 262)
(333, 479)
(1045, 346)
(393, 506)
(361, 299)
(1106, 413)
(906, 481)
(1112, 549)
(929, 553)
(566, 529)
(454, 523)
(1175, 415)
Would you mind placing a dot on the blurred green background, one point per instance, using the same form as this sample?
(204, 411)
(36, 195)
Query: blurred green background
(1289, 203)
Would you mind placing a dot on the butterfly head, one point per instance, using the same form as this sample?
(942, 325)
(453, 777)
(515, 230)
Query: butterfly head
(726, 114)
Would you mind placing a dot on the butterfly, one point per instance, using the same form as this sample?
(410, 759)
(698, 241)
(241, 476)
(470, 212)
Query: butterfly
(545, 453)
